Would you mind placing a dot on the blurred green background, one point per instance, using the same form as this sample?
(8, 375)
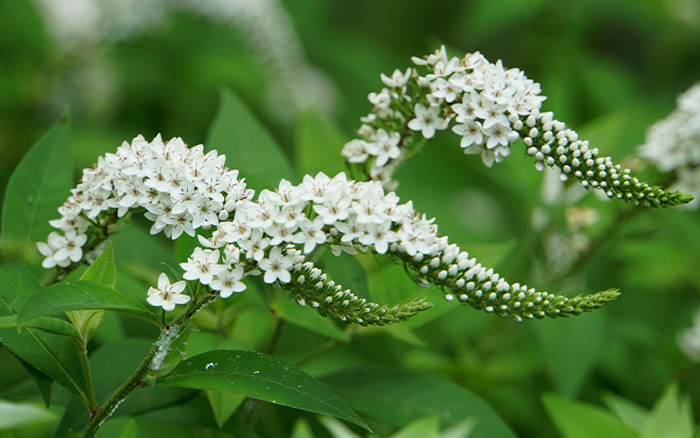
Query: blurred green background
(610, 68)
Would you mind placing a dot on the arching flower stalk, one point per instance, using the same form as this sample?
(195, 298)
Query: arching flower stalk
(673, 143)
(269, 237)
(490, 108)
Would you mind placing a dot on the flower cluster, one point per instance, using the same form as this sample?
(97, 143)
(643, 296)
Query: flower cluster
(271, 235)
(489, 107)
(179, 188)
(673, 144)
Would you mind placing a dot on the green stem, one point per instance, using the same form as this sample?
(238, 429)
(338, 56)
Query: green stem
(136, 379)
(84, 363)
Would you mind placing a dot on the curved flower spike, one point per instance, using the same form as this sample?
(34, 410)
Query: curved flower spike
(268, 236)
(489, 107)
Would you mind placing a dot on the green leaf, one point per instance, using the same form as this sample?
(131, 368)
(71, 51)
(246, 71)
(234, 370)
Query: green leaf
(302, 429)
(259, 376)
(81, 295)
(44, 382)
(103, 271)
(346, 270)
(580, 420)
(393, 398)
(632, 415)
(336, 428)
(427, 427)
(571, 347)
(670, 417)
(38, 186)
(224, 404)
(247, 144)
(46, 324)
(55, 356)
(318, 144)
(307, 318)
(13, 415)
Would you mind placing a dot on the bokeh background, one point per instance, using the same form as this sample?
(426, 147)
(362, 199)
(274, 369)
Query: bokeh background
(610, 68)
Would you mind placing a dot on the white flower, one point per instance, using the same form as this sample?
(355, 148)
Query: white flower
(311, 234)
(276, 266)
(427, 120)
(378, 236)
(397, 80)
(71, 247)
(227, 282)
(202, 265)
(167, 295)
(471, 133)
(387, 146)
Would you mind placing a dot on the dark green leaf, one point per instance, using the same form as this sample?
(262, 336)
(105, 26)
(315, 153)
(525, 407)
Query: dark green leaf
(81, 295)
(318, 145)
(259, 376)
(44, 382)
(247, 144)
(580, 420)
(53, 355)
(46, 324)
(393, 398)
(38, 186)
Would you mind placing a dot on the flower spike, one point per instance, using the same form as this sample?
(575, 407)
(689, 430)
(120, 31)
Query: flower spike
(489, 107)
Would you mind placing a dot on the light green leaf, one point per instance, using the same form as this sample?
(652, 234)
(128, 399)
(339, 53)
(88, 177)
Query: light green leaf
(571, 347)
(259, 376)
(103, 271)
(670, 417)
(81, 295)
(307, 318)
(302, 429)
(175, 354)
(247, 144)
(580, 420)
(224, 404)
(52, 355)
(318, 144)
(46, 324)
(337, 429)
(427, 427)
(13, 415)
(393, 398)
(632, 415)
(38, 186)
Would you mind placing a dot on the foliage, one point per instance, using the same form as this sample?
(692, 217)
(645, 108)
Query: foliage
(610, 69)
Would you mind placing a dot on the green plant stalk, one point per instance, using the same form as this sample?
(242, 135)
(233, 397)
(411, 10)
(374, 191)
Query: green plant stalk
(89, 387)
(137, 377)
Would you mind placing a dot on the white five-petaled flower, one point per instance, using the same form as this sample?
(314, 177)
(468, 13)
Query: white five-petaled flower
(427, 120)
(397, 79)
(202, 265)
(167, 295)
(227, 282)
(276, 266)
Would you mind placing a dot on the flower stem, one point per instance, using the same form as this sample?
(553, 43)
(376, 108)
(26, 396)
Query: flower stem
(136, 379)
